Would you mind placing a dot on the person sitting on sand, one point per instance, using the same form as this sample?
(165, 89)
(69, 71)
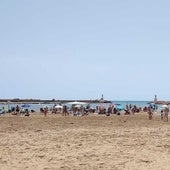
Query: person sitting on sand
(17, 109)
(150, 113)
(27, 112)
(14, 113)
(54, 110)
(22, 112)
(108, 113)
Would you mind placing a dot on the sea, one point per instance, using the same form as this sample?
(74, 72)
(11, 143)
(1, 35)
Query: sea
(36, 107)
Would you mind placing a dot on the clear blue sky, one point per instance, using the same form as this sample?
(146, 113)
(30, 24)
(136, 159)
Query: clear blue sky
(81, 49)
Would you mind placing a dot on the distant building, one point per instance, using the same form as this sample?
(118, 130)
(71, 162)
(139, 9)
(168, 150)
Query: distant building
(155, 99)
(102, 98)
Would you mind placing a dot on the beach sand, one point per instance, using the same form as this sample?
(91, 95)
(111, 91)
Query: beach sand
(88, 142)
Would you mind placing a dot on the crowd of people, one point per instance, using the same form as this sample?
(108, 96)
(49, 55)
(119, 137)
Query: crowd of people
(164, 113)
(80, 110)
(20, 111)
(101, 109)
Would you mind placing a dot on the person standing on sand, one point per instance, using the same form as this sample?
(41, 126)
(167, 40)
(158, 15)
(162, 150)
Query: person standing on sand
(65, 111)
(150, 113)
(166, 111)
(45, 111)
(162, 114)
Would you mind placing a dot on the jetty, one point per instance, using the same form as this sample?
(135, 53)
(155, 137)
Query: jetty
(52, 101)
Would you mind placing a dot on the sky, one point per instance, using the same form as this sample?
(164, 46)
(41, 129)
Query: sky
(81, 49)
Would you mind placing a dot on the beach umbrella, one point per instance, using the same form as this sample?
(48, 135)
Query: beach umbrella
(78, 106)
(77, 103)
(165, 106)
(58, 107)
(25, 105)
(119, 106)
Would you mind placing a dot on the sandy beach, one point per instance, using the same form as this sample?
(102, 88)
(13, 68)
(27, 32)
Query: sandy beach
(93, 142)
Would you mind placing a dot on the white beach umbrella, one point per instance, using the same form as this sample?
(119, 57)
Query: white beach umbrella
(165, 106)
(77, 103)
(78, 106)
(58, 107)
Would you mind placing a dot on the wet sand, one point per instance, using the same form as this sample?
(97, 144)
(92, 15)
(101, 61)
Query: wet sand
(90, 142)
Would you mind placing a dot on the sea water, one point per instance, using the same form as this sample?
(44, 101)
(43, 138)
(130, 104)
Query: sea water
(123, 103)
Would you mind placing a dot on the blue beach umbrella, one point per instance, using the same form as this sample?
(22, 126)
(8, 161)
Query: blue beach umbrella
(119, 106)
